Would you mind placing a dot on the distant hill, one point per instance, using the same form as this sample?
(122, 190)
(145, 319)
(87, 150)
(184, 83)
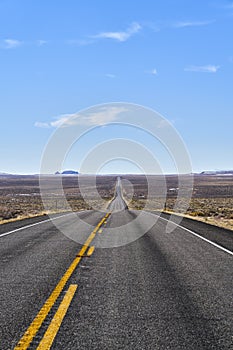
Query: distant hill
(67, 172)
(217, 172)
(6, 175)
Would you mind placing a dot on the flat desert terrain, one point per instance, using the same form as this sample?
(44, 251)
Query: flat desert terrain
(211, 198)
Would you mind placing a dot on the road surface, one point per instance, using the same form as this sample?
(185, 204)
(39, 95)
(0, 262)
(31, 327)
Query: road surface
(161, 291)
(118, 203)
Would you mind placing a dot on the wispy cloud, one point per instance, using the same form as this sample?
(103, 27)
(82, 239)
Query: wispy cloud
(152, 71)
(104, 115)
(154, 27)
(42, 125)
(203, 69)
(80, 42)
(112, 76)
(160, 25)
(42, 42)
(10, 43)
(14, 43)
(62, 120)
(183, 24)
(101, 116)
(121, 36)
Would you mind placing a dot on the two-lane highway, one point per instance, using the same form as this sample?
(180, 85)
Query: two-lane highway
(161, 291)
(118, 203)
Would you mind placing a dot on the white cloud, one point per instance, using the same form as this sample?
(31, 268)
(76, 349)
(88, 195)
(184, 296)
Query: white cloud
(11, 43)
(154, 71)
(80, 42)
(41, 125)
(184, 24)
(104, 115)
(101, 116)
(64, 120)
(41, 42)
(203, 69)
(112, 76)
(155, 27)
(121, 35)
(163, 123)
(14, 43)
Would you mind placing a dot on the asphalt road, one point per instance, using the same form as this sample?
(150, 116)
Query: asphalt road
(118, 203)
(161, 291)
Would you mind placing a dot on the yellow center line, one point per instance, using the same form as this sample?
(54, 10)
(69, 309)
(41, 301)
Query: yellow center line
(30, 333)
(56, 322)
(90, 251)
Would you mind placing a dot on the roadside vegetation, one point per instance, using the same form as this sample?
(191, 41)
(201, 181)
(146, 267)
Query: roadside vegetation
(211, 202)
(20, 196)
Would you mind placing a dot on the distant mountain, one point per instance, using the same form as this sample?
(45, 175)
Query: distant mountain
(67, 172)
(217, 172)
(6, 175)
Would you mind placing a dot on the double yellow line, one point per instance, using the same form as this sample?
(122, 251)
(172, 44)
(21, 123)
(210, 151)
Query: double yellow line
(52, 330)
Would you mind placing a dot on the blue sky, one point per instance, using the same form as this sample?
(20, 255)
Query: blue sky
(59, 57)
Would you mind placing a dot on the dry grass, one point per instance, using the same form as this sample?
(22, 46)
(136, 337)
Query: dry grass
(211, 202)
(20, 196)
(214, 211)
(216, 221)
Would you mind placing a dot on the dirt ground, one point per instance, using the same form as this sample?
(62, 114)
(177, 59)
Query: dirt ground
(211, 197)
